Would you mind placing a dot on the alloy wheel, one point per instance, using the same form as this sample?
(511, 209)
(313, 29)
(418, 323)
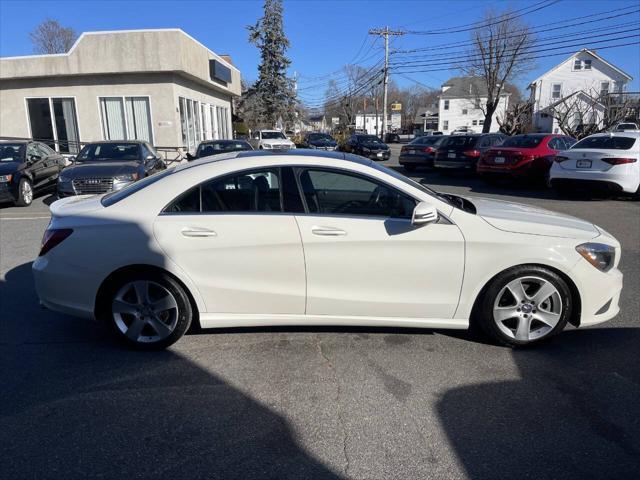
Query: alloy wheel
(26, 192)
(527, 308)
(145, 311)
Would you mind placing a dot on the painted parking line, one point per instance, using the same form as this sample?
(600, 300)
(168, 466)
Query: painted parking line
(25, 218)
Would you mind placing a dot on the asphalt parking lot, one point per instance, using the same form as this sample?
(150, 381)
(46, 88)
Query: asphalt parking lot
(330, 403)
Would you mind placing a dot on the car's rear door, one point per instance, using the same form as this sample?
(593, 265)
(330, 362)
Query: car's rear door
(232, 238)
(364, 258)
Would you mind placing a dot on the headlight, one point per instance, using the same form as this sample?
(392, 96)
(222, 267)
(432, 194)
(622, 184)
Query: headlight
(312, 146)
(266, 145)
(63, 177)
(5, 178)
(127, 177)
(599, 255)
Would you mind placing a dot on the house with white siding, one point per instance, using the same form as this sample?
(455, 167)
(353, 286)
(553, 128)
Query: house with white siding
(460, 105)
(583, 77)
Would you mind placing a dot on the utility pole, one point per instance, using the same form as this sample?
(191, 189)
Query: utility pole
(385, 34)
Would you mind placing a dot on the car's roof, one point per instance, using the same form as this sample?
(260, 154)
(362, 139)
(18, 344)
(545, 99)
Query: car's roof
(15, 141)
(635, 134)
(120, 142)
(226, 140)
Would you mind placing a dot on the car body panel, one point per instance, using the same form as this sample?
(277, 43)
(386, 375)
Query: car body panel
(461, 151)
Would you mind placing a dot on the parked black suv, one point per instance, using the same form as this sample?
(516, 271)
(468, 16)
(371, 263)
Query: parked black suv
(319, 141)
(105, 166)
(420, 152)
(27, 167)
(214, 147)
(368, 146)
(462, 152)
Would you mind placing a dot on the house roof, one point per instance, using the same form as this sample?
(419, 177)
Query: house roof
(590, 52)
(466, 87)
(316, 118)
(424, 112)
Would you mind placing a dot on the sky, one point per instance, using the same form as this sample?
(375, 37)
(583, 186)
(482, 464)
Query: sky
(325, 35)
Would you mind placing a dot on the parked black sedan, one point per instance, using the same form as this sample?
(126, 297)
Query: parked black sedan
(462, 152)
(27, 167)
(420, 152)
(368, 146)
(214, 147)
(105, 166)
(319, 141)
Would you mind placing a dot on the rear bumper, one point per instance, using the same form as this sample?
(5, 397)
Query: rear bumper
(420, 160)
(521, 171)
(455, 164)
(614, 179)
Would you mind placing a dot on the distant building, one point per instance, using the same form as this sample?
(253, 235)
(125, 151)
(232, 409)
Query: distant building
(460, 105)
(162, 86)
(583, 77)
(318, 123)
(371, 122)
(426, 119)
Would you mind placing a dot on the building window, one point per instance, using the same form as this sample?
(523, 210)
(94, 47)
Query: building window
(445, 125)
(464, 111)
(556, 89)
(480, 122)
(618, 86)
(446, 104)
(54, 122)
(475, 122)
(587, 64)
(126, 118)
(577, 64)
(604, 88)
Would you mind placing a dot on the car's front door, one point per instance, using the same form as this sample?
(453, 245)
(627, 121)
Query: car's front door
(51, 163)
(365, 258)
(35, 164)
(232, 238)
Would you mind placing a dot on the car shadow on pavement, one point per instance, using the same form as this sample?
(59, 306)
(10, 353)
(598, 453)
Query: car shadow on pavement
(574, 413)
(75, 404)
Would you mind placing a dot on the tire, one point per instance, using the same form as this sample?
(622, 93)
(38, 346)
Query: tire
(25, 193)
(524, 305)
(409, 168)
(127, 306)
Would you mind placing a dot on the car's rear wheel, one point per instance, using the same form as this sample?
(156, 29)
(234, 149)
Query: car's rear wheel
(525, 305)
(148, 311)
(25, 193)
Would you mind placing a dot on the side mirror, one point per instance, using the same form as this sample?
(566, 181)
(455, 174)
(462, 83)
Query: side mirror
(34, 158)
(424, 213)
(190, 157)
(150, 157)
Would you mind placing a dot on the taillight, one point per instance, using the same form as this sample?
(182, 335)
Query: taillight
(619, 161)
(428, 150)
(403, 149)
(53, 238)
(471, 153)
(560, 159)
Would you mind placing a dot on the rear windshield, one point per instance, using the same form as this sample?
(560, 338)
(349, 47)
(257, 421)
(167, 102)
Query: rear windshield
(606, 143)
(459, 141)
(523, 141)
(12, 152)
(430, 140)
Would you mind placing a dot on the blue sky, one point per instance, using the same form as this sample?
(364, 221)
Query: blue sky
(324, 35)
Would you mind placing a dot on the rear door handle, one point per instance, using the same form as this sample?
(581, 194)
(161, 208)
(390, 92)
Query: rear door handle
(328, 231)
(197, 232)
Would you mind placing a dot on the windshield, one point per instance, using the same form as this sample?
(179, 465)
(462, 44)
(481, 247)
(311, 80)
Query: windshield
(117, 152)
(369, 139)
(523, 141)
(606, 143)
(12, 152)
(273, 135)
(320, 136)
(214, 148)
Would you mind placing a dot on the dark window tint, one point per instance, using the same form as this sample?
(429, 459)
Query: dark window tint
(12, 152)
(569, 142)
(121, 152)
(523, 141)
(426, 140)
(188, 202)
(331, 192)
(556, 144)
(459, 141)
(256, 191)
(606, 142)
(291, 199)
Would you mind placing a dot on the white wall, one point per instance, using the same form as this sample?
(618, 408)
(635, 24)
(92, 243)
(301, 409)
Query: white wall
(455, 117)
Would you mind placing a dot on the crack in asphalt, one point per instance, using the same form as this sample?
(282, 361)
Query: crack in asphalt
(345, 435)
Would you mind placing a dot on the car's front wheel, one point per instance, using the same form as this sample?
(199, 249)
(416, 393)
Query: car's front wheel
(148, 311)
(25, 193)
(525, 305)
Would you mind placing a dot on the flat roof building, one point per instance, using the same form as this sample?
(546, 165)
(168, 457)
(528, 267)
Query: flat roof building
(162, 86)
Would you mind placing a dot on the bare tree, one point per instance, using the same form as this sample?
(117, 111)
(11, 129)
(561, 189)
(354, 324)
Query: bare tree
(501, 52)
(51, 37)
(584, 113)
(517, 119)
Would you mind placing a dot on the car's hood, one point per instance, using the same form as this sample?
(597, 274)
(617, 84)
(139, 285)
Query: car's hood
(375, 146)
(100, 169)
(75, 205)
(323, 143)
(9, 167)
(519, 218)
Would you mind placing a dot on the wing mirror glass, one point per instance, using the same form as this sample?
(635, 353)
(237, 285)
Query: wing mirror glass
(34, 158)
(424, 213)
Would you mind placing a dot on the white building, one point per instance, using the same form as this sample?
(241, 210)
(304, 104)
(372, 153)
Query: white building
(584, 77)
(459, 105)
(371, 123)
(162, 86)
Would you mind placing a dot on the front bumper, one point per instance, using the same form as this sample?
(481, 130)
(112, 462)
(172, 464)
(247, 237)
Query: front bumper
(380, 155)
(599, 293)
(8, 193)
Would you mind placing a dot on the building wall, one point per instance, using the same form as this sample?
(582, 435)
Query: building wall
(368, 122)
(163, 90)
(454, 118)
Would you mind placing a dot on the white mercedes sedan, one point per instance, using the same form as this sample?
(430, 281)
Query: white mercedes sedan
(309, 238)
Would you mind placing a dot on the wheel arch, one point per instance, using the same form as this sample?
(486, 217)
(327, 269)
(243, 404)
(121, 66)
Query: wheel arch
(125, 271)
(575, 293)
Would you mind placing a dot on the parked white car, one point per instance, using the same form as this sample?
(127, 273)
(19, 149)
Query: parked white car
(326, 238)
(609, 160)
(270, 140)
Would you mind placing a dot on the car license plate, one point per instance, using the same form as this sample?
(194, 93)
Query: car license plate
(380, 154)
(451, 155)
(411, 152)
(498, 160)
(583, 164)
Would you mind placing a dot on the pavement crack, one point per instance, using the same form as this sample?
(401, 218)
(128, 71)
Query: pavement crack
(345, 434)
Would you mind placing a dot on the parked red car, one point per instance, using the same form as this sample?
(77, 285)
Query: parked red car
(526, 156)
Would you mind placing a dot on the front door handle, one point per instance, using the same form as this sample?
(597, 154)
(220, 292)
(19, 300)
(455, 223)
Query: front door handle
(328, 231)
(197, 232)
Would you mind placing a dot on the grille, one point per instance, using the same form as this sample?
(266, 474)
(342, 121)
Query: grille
(92, 186)
(281, 147)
